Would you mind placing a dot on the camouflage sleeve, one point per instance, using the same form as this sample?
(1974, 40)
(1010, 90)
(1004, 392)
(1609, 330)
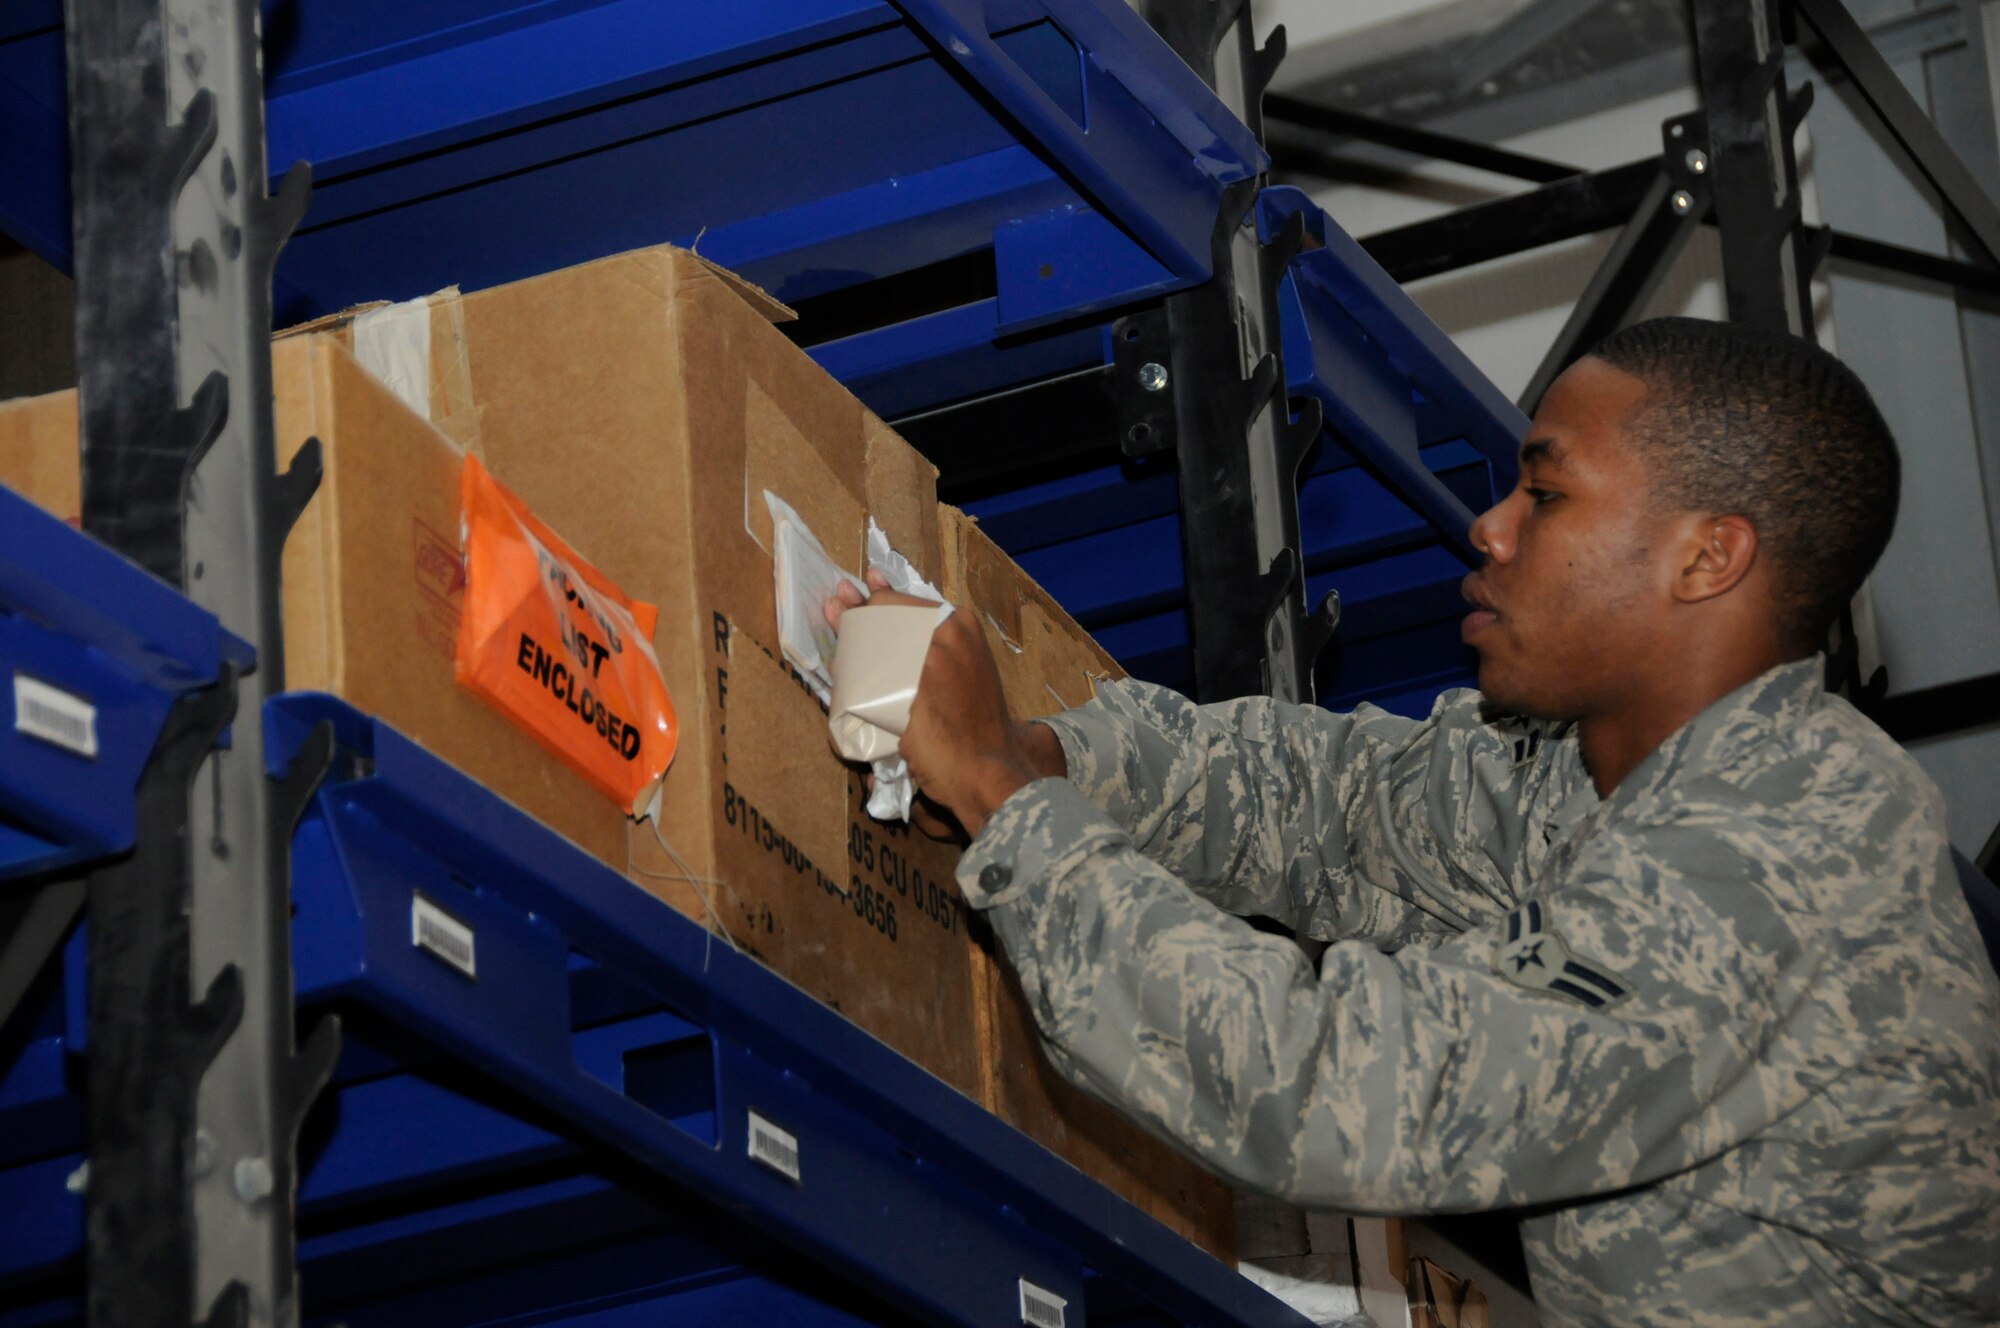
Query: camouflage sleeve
(1654, 1018)
(1364, 825)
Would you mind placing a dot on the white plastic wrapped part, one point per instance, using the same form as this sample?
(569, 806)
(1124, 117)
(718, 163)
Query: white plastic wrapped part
(882, 650)
(1327, 1304)
(807, 578)
(894, 791)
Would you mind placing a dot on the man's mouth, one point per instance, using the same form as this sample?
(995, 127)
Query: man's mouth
(1483, 614)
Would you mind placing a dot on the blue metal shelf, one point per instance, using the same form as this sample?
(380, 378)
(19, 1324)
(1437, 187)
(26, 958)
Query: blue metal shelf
(809, 144)
(553, 1111)
(117, 647)
(1056, 150)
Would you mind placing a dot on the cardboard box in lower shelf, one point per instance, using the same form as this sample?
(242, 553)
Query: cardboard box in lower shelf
(1048, 664)
(640, 406)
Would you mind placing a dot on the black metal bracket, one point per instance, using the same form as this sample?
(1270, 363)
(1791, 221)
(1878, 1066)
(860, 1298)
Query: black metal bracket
(1193, 28)
(1419, 142)
(1214, 403)
(1141, 381)
(1740, 72)
(308, 1071)
(149, 1046)
(34, 920)
(130, 166)
(1674, 203)
(171, 298)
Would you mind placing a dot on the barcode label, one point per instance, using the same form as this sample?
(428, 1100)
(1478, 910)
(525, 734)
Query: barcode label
(1039, 1308)
(434, 930)
(775, 1148)
(55, 716)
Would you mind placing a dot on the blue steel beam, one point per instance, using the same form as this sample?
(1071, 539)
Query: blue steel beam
(1166, 199)
(466, 143)
(1357, 343)
(950, 356)
(1348, 515)
(93, 653)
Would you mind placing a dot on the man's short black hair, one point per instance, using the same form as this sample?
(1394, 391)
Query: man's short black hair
(1742, 422)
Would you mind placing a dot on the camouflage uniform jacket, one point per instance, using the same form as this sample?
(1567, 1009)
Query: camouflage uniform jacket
(1728, 1033)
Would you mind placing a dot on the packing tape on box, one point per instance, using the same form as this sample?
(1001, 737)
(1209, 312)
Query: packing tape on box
(394, 344)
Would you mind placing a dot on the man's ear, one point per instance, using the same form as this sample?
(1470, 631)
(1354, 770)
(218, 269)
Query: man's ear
(1721, 552)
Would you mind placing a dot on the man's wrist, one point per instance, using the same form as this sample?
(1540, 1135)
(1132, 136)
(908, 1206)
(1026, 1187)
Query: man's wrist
(1044, 749)
(998, 780)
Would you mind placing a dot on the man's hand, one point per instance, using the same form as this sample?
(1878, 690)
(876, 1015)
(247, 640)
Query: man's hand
(965, 752)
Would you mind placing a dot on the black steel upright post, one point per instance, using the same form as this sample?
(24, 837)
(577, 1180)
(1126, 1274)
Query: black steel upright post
(1752, 169)
(195, 1091)
(1238, 445)
(1768, 254)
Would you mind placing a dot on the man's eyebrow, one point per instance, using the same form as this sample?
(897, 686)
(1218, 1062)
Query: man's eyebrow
(1546, 450)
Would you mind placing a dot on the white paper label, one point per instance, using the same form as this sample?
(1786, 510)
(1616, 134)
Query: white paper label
(1039, 1308)
(55, 716)
(775, 1148)
(434, 930)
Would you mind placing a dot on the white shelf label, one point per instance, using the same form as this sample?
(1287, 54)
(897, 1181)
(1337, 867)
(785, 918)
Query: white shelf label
(438, 932)
(1039, 1308)
(60, 718)
(775, 1148)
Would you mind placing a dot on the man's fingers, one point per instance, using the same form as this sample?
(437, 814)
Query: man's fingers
(877, 580)
(846, 596)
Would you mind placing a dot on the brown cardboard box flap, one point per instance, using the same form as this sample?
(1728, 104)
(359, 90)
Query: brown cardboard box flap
(751, 294)
(333, 322)
(38, 452)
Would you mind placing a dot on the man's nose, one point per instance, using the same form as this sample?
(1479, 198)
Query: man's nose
(1493, 532)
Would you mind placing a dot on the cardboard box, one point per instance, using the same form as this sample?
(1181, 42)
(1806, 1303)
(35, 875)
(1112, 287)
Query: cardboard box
(371, 573)
(640, 405)
(1048, 664)
(1440, 1300)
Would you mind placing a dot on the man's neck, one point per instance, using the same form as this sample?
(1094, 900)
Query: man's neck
(1615, 740)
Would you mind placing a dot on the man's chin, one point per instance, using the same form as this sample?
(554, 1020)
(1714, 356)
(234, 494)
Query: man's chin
(1507, 693)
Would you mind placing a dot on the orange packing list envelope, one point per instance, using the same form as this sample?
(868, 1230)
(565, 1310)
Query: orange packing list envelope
(548, 641)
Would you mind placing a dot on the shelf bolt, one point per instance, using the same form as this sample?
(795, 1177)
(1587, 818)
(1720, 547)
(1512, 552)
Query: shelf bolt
(1153, 377)
(1683, 202)
(1697, 161)
(253, 1179)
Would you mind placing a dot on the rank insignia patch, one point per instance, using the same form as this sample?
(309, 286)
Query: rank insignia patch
(1532, 954)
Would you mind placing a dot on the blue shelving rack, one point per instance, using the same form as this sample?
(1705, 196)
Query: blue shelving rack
(994, 180)
(563, 1102)
(95, 653)
(547, 1107)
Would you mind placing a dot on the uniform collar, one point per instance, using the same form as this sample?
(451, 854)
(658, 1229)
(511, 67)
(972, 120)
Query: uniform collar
(1772, 703)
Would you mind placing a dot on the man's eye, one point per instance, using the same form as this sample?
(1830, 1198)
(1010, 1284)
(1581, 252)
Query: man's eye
(1540, 496)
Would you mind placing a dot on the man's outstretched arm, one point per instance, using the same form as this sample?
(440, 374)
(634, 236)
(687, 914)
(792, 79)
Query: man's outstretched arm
(1361, 825)
(1651, 1020)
